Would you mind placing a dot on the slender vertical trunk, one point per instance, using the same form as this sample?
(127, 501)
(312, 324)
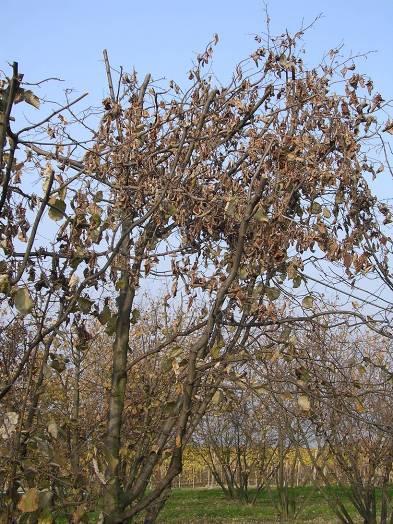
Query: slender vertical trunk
(114, 491)
(114, 496)
(5, 116)
(75, 456)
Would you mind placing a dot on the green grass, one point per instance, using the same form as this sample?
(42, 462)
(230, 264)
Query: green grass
(205, 506)
(210, 505)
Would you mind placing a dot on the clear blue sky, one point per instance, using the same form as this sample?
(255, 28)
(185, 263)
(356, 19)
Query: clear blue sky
(66, 38)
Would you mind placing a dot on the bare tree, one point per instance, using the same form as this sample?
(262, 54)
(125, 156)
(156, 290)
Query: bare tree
(237, 440)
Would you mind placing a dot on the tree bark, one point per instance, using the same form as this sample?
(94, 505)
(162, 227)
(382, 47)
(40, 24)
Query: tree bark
(114, 492)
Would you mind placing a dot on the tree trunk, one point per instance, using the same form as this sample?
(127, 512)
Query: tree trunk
(75, 459)
(114, 492)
